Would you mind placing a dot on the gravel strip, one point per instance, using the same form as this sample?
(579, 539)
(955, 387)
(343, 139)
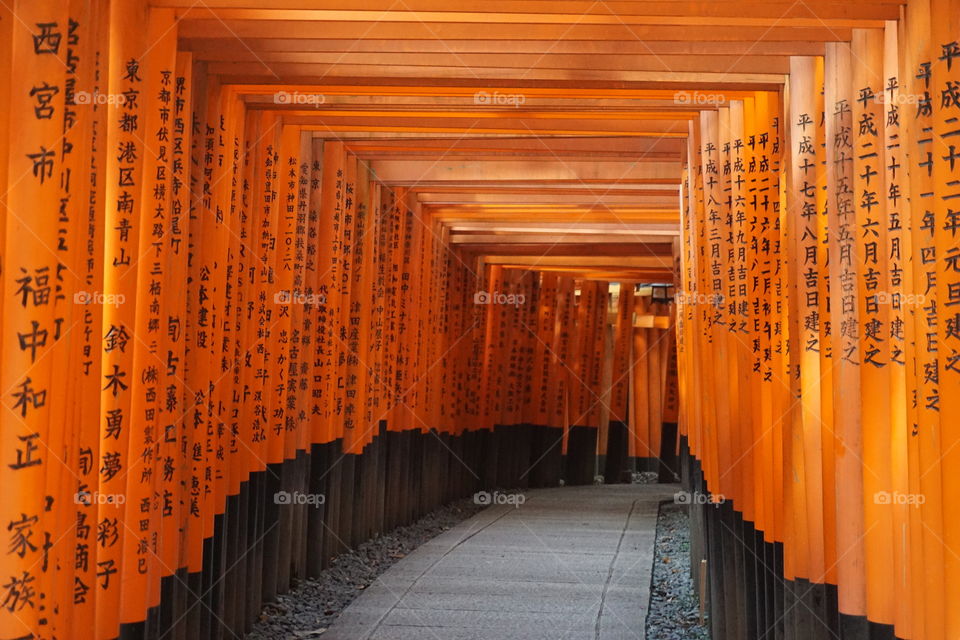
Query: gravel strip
(313, 604)
(646, 477)
(674, 609)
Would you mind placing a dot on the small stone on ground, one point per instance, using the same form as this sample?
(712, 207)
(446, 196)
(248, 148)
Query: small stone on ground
(313, 604)
(674, 608)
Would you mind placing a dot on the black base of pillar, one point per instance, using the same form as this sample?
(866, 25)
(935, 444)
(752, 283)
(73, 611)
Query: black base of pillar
(668, 469)
(615, 461)
(290, 520)
(748, 596)
(546, 456)
(581, 458)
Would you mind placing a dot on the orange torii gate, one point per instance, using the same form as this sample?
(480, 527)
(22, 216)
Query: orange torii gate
(851, 363)
(241, 333)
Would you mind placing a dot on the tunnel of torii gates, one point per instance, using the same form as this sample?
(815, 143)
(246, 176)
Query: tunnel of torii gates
(394, 255)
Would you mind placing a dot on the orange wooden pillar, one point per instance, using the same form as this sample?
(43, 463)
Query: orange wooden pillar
(289, 270)
(736, 305)
(718, 419)
(599, 340)
(640, 388)
(582, 436)
(392, 202)
(124, 213)
(354, 256)
(925, 428)
(944, 110)
(34, 107)
(904, 467)
(329, 261)
(561, 346)
(618, 435)
(490, 382)
(172, 432)
(804, 206)
(88, 269)
(139, 585)
(289, 304)
(766, 201)
(841, 207)
(874, 347)
(547, 431)
(655, 380)
(546, 321)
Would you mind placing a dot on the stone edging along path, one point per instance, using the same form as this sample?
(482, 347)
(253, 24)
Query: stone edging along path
(573, 562)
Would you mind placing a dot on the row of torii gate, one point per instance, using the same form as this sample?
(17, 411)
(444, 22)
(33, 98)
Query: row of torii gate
(393, 255)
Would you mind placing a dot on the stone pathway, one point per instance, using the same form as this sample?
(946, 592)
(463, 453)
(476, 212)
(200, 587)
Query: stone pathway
(568, 563)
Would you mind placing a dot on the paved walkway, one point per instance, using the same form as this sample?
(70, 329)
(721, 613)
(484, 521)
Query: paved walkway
(571, 563)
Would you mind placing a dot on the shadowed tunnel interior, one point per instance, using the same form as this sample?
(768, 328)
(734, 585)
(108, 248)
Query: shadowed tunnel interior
(279, 277)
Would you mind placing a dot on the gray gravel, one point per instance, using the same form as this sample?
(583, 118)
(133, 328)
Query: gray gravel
(645, 477)
(674, 609)
(313, 604)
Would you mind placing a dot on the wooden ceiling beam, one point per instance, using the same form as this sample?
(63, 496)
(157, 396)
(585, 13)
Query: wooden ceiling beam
(491, 156)
(594, 186)
(381, 26)
(569, 255)
(603, 275)
(715, 83)
(352, 136)
(500, 114)
(306, 73)
(530, 148)
(654, 198)
(501, 62)
(648, 229)
(202, 47)
(581, 262)
(608, 244)
(574, 187)
(781, 9)
(463, 213)
(280, 97)
(411, 171)
(345, 132)
(467, 90)
(751, 14)
(459, 194)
